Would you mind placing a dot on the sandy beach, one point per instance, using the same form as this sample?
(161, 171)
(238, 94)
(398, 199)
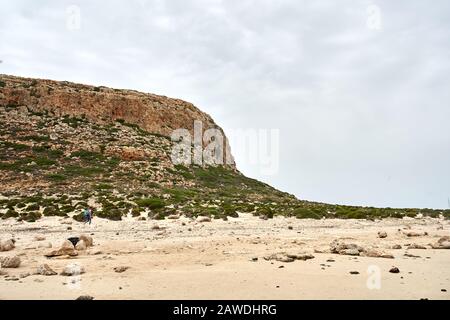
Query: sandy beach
(235, 259)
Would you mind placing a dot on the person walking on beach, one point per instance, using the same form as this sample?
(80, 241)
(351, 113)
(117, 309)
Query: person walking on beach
(87, 215)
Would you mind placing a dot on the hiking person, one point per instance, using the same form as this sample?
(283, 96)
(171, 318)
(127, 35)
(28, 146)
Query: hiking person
(87, 215)
(91, 214)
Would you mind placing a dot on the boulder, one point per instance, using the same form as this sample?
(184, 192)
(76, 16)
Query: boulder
(396, 246)
(442, 243)
(345, 248)
(10, 262)
(88, 240)
(81, 246)
(382, 234)
(67, 245)
(73, 269)
(66, 248)
(45, 270)
(7, 245)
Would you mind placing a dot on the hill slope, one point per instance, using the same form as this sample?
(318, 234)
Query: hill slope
(64, 146)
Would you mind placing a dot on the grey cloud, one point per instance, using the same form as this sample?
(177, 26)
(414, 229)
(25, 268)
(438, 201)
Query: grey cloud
(363, 114)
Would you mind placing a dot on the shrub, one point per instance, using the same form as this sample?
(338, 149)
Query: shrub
(11, 213)
(31, 216)
(32, 207)
(56, 177)
(53, 211)
(305, 213)
(151, 203)
(103, 186)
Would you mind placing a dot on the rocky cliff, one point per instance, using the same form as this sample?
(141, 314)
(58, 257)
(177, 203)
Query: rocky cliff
(102, 105)
(66, 146)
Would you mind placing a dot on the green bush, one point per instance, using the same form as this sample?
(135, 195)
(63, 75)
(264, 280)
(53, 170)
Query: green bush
(151, 203)
(136, 212)
(56, 177)
(31, 216)
(53, 211)
(11, 213)
(32, 207)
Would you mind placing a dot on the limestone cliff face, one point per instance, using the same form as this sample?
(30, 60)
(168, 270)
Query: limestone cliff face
(152, 113)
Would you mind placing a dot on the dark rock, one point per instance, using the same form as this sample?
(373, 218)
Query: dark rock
(394, 270)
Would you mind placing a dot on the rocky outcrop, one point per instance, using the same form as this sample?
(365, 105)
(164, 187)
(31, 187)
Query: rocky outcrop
(152, 113)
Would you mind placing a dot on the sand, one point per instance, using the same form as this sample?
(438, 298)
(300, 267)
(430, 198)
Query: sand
(185, 259)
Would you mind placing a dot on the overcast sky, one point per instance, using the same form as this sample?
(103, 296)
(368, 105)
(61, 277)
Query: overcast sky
(358, 89)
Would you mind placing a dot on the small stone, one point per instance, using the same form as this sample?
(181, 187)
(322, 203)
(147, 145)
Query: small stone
(39, 238)
(45, 270)
(354, 272)
(121, 269)
(382, 234)
(254, 259)
(394, 270)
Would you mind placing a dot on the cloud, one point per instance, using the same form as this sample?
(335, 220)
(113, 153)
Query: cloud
(362, 112)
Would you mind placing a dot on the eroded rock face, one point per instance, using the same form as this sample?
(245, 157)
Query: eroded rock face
(152, 113)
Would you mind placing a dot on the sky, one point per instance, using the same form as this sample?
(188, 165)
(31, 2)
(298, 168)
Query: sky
(352, 95)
